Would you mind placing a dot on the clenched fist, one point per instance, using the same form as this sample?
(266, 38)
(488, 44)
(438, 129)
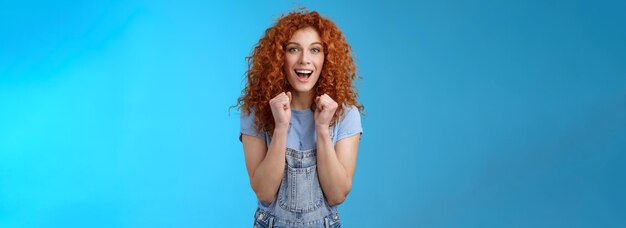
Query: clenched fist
(281, 109)
(324, 110)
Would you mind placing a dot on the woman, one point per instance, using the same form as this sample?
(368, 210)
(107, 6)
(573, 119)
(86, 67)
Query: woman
(300, 123)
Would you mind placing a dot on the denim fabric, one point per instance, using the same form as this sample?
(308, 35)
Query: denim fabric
(300, 201)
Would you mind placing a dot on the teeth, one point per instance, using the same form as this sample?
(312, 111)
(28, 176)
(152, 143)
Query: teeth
(304, 71)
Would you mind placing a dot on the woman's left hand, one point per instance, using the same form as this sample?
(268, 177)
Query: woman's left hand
(324, 110)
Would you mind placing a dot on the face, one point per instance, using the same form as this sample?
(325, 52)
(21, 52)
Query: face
(304, 58)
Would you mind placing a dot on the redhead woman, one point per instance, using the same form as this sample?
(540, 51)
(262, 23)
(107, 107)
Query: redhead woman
(300, 122)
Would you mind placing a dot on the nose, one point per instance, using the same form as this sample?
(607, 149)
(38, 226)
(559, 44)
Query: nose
(304, 58)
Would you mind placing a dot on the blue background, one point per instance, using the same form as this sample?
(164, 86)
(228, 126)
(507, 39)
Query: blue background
(478, 113)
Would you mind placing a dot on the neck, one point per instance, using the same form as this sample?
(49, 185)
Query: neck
(301, 100)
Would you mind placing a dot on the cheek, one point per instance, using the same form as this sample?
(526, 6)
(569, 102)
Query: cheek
(319, 61)
(320, 64)
(290, 61)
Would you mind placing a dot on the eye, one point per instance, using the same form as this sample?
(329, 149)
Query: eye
(316, 50)
(292, 50)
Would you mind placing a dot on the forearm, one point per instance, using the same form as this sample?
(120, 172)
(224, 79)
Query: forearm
(333, 176)
(268, 175)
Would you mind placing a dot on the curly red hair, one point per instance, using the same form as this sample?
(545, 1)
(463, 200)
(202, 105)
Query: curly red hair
(266, 77)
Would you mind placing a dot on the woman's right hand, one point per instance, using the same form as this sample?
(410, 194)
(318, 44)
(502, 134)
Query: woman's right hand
(281, 110)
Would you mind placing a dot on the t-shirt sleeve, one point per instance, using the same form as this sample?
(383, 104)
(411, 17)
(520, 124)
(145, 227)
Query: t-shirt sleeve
(350, 124)
(248, 126)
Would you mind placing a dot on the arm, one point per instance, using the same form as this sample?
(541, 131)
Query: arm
(265, 170)
(336, 165)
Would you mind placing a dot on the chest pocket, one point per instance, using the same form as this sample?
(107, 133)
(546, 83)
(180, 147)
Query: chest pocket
(300, 189)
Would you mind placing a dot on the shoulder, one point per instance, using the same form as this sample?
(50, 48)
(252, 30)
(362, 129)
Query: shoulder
(349, 123)
(350, 112)
(247, 118)
(248, 124)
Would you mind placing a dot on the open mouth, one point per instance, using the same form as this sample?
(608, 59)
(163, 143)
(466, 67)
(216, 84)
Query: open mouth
(304, 74)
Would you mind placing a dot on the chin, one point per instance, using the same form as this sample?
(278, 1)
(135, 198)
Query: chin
(302, 89)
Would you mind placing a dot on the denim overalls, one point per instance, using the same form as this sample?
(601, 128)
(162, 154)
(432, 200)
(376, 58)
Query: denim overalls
(300, 201)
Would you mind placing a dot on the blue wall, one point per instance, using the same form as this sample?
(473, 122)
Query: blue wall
(478, 113)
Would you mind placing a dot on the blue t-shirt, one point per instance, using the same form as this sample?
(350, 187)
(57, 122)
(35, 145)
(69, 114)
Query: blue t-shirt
(301, 134)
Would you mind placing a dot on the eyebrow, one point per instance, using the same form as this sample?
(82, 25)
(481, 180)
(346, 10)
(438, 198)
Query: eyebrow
(288, 43)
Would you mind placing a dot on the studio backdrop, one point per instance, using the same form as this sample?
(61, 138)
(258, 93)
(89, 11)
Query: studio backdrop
(477, 113)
